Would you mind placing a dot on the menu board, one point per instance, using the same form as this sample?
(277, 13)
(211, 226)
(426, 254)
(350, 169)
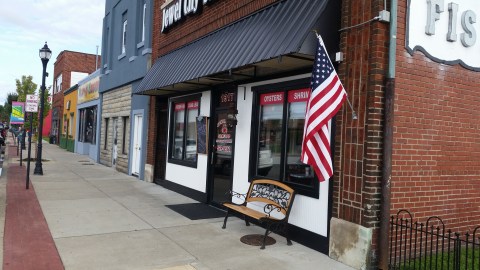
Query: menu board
(202, 134)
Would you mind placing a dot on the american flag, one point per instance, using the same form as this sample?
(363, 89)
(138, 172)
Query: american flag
(325, 100)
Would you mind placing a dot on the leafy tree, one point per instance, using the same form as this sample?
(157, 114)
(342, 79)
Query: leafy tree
(12, 97)
(7, 107)
(25, 86)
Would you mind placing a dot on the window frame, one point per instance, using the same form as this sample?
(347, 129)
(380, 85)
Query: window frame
(123, 48)
(171, 130)
(310, 191)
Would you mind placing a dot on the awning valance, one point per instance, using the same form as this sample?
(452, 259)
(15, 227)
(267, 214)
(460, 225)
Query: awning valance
(276, 39)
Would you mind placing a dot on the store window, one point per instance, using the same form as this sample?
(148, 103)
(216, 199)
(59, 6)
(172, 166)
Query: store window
(280, 117)
(88, 125)
(183, 139)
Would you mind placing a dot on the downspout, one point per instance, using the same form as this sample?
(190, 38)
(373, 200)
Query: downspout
(383, 237)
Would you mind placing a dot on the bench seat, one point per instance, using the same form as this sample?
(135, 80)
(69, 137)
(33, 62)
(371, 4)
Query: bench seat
(269, 202)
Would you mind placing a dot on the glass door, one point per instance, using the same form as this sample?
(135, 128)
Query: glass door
(222, 141)
(222, 158)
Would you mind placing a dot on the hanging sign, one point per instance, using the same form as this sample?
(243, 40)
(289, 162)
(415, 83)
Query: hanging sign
(444, 31)
(31, 103)
(18, 115)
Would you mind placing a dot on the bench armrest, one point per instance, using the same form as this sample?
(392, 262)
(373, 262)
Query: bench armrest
(236, 195)
(269, 208)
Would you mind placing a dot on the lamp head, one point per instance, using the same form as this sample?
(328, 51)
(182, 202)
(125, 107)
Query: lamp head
(45, 53)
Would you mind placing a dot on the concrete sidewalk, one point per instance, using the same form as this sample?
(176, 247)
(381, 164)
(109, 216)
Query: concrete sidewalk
(103, 219)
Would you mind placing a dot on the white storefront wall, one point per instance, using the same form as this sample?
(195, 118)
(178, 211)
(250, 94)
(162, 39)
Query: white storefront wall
(194, 178)
(307, 213)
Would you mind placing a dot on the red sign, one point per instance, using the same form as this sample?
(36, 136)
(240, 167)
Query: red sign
(299, 95)
(271, 98)
(192, 105)
(179, 106)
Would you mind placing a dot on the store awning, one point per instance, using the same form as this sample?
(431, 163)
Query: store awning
(274, 40)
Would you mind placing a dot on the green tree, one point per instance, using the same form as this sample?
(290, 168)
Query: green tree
(46, 105)
(25, 86)
(7, 107)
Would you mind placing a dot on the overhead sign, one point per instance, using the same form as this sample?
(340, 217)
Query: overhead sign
(89, 90)
(174, 11)
(445, 31)
(31, 103)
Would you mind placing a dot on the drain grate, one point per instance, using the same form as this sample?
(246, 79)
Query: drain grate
(256, 240)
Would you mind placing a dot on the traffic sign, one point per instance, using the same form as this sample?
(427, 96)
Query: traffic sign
(31, 103)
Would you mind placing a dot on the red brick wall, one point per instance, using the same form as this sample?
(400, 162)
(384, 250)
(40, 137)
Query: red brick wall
(66, 62)
(358, 147)
(214, 16)
(436, 157)
(152, 130)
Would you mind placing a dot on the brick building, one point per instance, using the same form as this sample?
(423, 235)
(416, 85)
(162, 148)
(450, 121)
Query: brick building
(69, 68)
(412, 147)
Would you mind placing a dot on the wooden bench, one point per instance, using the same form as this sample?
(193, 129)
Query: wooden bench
(269, 202)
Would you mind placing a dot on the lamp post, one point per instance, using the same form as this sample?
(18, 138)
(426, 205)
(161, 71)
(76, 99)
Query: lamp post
(45, 54)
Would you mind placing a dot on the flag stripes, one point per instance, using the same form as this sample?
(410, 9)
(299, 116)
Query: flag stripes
(325, 100)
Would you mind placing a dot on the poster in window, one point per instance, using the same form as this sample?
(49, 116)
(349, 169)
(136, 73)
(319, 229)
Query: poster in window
(202, 134)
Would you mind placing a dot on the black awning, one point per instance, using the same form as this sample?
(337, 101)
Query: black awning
(256, 43)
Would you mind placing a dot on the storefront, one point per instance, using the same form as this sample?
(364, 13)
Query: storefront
(67, 138)
(408, 140)
(88, 117)
(248, 81)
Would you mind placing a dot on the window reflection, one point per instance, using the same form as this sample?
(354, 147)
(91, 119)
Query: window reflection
(184, 145)
(179, 123)
(280, 137)
(191, 147)
(296, 171)
(270, 141)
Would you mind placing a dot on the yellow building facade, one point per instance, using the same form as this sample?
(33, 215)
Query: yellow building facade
(67, 138)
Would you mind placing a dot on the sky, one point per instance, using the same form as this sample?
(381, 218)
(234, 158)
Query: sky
(25, 26)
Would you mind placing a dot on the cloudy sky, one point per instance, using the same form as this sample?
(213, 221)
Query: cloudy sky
(25, 25)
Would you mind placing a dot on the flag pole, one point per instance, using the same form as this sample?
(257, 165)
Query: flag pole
(354, 114)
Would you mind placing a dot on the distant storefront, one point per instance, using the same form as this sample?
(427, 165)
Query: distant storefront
(67, 137)
(88, 116)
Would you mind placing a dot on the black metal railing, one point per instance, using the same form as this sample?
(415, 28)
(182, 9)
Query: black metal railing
(423, 246)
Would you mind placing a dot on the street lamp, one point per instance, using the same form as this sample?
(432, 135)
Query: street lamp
(45, 54)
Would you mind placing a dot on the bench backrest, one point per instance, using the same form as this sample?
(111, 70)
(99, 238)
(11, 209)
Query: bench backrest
(271, 192)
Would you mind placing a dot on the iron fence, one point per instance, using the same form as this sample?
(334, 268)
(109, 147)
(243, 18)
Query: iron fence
(428, 246)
